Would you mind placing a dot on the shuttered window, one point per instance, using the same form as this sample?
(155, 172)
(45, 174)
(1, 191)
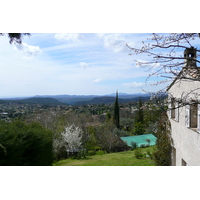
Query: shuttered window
(187, 115)
(177, 111)
(172, 108)
(198, 119)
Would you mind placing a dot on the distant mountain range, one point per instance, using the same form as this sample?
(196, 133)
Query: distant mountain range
(41, 101)
(88, 99)
(76, 99)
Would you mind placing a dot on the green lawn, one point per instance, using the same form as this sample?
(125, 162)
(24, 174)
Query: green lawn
(126, 158)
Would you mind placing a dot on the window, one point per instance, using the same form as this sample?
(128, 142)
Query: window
(174, 110)
(192, 115)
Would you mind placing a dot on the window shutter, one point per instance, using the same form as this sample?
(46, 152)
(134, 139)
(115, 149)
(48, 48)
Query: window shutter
(198, 118)
(169, 107)
(187, 115)
(177, 112)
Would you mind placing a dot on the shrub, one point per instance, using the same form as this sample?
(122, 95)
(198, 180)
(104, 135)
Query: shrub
(138, 153)
(91, 153)
(26, 144)
(100, 152)
(150, 154)
(3, 153)
(133, 145)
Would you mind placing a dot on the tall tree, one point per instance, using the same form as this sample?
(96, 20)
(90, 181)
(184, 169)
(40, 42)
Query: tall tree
(116, 111)
(140, 112)
(163, 154)
(139, 126)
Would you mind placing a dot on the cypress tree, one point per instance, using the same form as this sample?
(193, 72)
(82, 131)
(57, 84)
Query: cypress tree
(116, 111)
(140, 112)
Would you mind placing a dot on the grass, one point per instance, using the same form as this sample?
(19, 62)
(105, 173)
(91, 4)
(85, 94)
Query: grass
(126, 158)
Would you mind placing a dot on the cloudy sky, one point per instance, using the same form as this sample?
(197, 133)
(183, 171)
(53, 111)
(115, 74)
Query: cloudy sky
(72, 63)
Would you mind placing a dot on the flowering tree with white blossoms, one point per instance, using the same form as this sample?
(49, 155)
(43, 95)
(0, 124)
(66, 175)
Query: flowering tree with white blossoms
(70, 140)
(72, 137)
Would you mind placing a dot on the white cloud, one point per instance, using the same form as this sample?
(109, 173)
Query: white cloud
(28, 50)
(98, 80)
(69, 36)
(100, 34)
(84, 65)
(114, 42)
(134, 84)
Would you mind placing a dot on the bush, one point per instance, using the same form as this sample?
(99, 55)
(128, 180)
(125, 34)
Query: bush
(138, 153)
(3, 153)
(91, 153)
(100, 152)
(26, 144)
(133, 145)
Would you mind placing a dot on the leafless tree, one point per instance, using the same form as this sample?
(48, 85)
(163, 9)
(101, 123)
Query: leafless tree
(167, 60)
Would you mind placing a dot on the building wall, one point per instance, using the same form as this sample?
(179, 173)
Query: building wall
(186, 140)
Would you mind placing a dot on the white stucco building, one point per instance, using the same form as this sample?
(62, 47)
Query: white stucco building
(184, 113)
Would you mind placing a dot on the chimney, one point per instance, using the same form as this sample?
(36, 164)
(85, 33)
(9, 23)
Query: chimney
(190, 57)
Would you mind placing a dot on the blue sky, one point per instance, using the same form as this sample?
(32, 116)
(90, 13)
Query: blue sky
(72, 63)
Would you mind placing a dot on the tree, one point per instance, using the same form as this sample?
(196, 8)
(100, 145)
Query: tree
(116, 111)
(139, 126)
(26, 145)
(15, 37)
(139, 113)
(163, 154)
(109, 141)
(166, 56)
(3, 153)
(70, 140)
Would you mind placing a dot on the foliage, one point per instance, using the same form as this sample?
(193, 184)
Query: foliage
(91, 152)
(126, 124)
(92, 144)
(69, 141)
(116, 112)
(108, 140)
(139, 113)
(15, 37)
(108, 116)
(139, 125)
(139, 128)
(26, 144)
(163, 143)
(150, 154)
(133, 145)
(138, 153)
(100, 152)
(120, 133)
(3, 153)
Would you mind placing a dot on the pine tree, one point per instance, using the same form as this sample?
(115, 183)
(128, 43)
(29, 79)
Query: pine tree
(116, 111)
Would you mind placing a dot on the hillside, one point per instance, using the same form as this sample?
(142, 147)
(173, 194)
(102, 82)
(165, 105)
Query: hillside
(76, 99)
(109, 100)
(41, 101)
(73, 99)
(126, 158)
